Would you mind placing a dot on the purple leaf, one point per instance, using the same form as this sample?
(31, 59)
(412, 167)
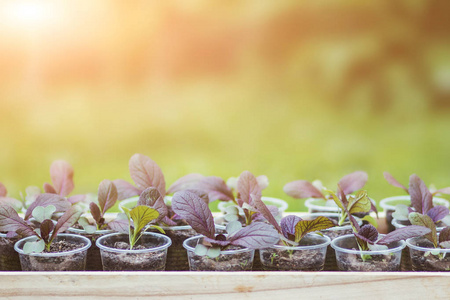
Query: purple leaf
(119, 225)
(146, 173)
(438, 213)
(3, 190)
(367, 233)
(247, 185)
(257, 235)
(67, 220)
(107, 195)
(444, 235)
(403, 234)
(95, 212)
(151, 197)
(221, 243)
(421, 198)
(392, 181)
(262, 209)
(48, 188)
(302, 189)
(169, 222)
(216, 188)
(274, 211)
(125, 189)
(10, 221)
(202, 194)
(443, 191)
(353, 182)
(189, 181)
(44, 200)
(288, 225)
(76, 198)
(46, 228)
(61, 173)
(195, 211)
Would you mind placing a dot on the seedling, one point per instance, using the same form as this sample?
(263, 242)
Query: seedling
(424, 220)
(196, 212)
(4, 199)
(294, 228)
(45, 229)
(394, 182)
(421, 201)
(107, 197)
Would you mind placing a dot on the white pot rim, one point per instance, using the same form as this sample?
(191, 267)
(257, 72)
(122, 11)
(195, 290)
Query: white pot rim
(224, 252)
(56, 254)
(166, 245)
(351, 251)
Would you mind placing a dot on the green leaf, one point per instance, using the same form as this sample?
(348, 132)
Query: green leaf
(423, 220)
(158, 228)
(401, 212)
(371, 220)
(36, 247)
(359, 203)
(336, 199)
(213, 252)
(233, 227)
(200, 250)
(304, 227)
(41, 213)
(88, 228)
(141, 216)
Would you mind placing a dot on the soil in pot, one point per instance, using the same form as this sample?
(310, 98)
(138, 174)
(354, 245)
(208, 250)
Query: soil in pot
(422, 259)
(9, 258)
(235, 258)
(149, 254)
(308, 256)
(67, 253)
(350, 258)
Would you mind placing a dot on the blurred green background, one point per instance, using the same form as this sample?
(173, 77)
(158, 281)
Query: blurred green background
(289, 89)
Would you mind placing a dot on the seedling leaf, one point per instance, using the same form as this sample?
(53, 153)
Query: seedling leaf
(141, 216)
(216, 188)
(44, 200)
(353, 182)
(36, 247)
(125, 189)
(247, 185)
(189, 181)
(392, 181)
(421, 198)
(287, 225)
(41, 213)
(257, 235)
(61, 173)
(403, 234)
(302, 189)
(195, 211)
(10, 221)
(67, 220)
(146, 173)
(152, 197)
(424, 220)
(107, 195)
(304, 227)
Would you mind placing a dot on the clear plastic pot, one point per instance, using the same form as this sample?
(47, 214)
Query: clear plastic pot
(308, 256)
(350, 258)
(151, 258)
(229, 260)
(424, 257)
(74, 260)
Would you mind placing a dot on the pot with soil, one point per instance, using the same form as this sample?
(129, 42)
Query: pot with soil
(426, 257)
(93, 260)
(350, 258)
(332, 233)
(67, 253)
(389, 204)
(235, 258)
(9, 258)
(309, 255)
(148, 254)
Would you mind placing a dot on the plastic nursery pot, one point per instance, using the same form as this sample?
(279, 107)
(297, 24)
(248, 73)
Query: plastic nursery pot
(389, 204)
(424, 257)
(350, 258)
(315, 205)
(149, 254)
(308, 256)
(9, 258)
(73, 260)
(93, 260)
(239, 259)
(332, 233)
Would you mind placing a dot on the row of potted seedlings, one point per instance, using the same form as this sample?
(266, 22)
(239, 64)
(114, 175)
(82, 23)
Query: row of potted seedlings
(53, 231)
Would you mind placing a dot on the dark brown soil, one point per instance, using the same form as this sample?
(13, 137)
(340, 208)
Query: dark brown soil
(330, 260)
(147, 261)
(9, 258)
(431, 262)
(70, 262)
(354, 262)
(283, 260)
(236, 262)
(176, 255)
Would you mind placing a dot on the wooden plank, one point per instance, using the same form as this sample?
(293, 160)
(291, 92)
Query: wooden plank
(222, 285)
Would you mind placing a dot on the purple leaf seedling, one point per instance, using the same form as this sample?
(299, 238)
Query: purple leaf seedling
(42, 227)
(197, 214)
(443, 241)
(421, 202)
(294, 228)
